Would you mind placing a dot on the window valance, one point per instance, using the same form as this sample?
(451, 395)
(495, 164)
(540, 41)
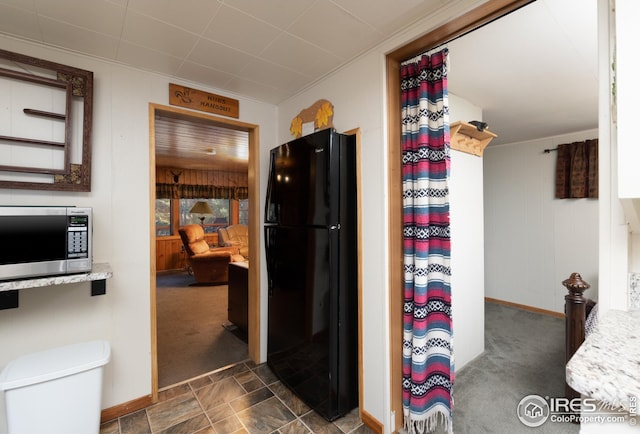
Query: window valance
(183, 191)
(172, 183)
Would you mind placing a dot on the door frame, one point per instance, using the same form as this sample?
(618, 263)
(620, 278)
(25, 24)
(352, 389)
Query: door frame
(254, 229)
(474, 19)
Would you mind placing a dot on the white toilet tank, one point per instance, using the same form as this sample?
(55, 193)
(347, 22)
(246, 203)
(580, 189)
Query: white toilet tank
(56, 391)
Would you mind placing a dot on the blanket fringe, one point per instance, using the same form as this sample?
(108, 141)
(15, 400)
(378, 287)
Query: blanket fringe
(437, 420)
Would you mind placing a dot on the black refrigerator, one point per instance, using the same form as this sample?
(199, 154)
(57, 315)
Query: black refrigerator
(312, 268)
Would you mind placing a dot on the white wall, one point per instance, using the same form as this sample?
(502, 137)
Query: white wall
(54, 316)
(357, 96)
(120, 199)
(467, 256)
(532, 240)
(467, 242)
(627, 84)
(357, 93)
(614, 243)
(621, 248)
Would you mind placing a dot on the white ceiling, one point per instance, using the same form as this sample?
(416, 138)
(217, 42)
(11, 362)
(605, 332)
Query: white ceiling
(267, 50)
(533, 73)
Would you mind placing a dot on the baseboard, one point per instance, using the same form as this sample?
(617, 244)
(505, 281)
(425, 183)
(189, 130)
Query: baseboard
(525, 307)
(126, 408)
(371, 422)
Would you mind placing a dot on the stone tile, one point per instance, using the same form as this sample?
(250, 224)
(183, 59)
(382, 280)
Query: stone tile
(199, 383)
(249, 381)
(319, 425)
(220, 412)
(265, 374)
(295, 427)
(362, 429)
(135, 423)
(110, 427)
(250, 364)
(266, 416)
(228, 372)
(228, 425)
(173, 411)
(245, 376)
(236, 402)
(188, 426)
(173, 392)
(349, 421)
(220, 392)
(295, 404)
(250, 399)
(252, 385)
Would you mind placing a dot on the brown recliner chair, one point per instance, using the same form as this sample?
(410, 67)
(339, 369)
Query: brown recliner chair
(209, 265)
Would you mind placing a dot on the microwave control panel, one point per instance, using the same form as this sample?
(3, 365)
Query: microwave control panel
(78, 236)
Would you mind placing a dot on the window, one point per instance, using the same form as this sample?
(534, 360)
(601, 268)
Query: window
(211, 222)
(243, 213)
(163, 217)
(173, 213)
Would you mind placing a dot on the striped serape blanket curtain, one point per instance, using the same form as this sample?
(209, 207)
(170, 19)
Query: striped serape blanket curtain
(427, 336)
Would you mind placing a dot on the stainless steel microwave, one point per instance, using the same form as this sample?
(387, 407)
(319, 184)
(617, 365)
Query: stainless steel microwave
(44, 241)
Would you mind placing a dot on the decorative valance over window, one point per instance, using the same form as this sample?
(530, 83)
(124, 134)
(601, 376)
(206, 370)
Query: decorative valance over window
(577, 170)
(178, 191)
(174, 183)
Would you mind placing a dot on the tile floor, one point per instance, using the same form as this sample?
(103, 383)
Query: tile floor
(243, 398)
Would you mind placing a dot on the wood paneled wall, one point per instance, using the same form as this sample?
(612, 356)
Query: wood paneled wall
(171, 256)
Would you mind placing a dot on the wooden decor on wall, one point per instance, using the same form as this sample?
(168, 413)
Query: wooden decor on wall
(467, 138)
(204, 101)
(320, 113)
(76, 85)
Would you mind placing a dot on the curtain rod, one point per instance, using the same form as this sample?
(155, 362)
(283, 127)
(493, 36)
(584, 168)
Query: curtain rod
(546, 151)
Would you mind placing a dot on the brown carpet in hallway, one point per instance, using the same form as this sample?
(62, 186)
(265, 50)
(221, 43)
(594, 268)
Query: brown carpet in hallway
(191, 338)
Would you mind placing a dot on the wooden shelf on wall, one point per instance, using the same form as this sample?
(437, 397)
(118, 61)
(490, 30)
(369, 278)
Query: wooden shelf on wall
(466, 138)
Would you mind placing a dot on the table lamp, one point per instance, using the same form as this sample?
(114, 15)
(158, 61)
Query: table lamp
(201, 207)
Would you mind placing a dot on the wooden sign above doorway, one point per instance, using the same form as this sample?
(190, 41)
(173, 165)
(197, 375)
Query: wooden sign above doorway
(204, 101)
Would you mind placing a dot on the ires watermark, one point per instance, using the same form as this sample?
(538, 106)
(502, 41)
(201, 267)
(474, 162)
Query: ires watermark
(534, 410)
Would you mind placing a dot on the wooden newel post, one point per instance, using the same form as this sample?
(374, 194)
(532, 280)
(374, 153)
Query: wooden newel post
(575, 311)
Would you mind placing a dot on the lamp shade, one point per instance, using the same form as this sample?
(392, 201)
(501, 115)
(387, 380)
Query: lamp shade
(201, 207)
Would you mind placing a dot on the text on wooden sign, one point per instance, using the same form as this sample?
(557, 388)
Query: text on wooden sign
(204, 101)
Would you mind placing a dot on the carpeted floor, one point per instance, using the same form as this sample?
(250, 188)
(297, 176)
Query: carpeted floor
(192, 339)
(524, 355)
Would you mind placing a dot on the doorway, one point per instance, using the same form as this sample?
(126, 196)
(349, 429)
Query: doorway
(253, 222)
(457, 27)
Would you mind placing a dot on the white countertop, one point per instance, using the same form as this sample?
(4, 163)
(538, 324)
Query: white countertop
(98, 272)
(607, 365)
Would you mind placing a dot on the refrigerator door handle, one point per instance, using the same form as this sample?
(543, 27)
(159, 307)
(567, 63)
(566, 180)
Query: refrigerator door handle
(269, 266)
